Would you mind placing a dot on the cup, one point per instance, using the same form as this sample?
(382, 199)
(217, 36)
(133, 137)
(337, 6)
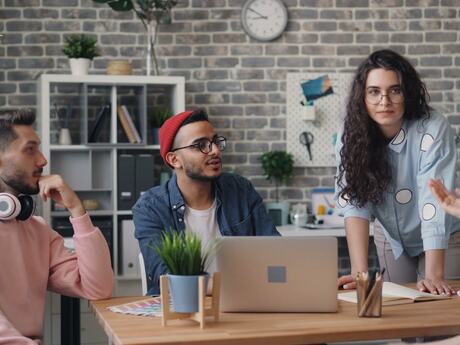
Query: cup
(298, 215)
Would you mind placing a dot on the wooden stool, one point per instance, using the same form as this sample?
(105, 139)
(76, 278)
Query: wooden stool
(199, 316)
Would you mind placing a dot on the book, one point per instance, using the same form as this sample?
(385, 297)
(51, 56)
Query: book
(123, 117)
(131, 125)
(394, 294)
(101, 118)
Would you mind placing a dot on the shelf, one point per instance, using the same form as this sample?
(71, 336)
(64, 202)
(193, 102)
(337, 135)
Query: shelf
(124, 213)
(90, 212)
(104, 79)
(96, 190)
(102, 146)
(118, 277)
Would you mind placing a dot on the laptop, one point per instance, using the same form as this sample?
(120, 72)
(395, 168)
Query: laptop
(278, 274)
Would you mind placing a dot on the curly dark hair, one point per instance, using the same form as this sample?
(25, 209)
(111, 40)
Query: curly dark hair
(364, 170)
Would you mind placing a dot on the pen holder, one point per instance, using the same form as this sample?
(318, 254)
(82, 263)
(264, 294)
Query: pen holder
(369, 294)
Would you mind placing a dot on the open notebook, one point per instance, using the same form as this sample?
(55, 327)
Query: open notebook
(394, 294)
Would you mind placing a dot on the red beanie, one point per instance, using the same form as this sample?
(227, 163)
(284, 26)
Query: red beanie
(169, 130)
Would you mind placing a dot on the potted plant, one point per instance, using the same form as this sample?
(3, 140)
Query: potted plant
(182, 254)
(151, 13)
(278, 166)
(80, 49)
(156, 119)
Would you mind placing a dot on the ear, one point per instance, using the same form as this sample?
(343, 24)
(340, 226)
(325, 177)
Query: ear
(173, 160)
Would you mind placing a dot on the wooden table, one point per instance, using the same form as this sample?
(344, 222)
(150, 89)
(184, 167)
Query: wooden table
(408, 320)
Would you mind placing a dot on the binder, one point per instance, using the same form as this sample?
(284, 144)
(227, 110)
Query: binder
(129, 250)
(144, 173)
(99, 123)
(126, 181)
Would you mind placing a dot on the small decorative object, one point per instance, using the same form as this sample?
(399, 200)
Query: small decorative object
(90, 204)
(63, 117)
(278, 165)
(187, 279)
(264, 20)
(298, 214)
(120, 67)
(64, 137)
(151, 13)
(156, 119)
(80, 49)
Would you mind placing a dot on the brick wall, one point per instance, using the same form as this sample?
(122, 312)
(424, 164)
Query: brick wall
(241, 82)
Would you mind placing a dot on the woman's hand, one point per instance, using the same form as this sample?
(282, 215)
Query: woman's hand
(346, 282)
(435, 286)
(450, 202)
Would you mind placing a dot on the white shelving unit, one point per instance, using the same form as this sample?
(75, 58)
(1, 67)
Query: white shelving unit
(91, 168)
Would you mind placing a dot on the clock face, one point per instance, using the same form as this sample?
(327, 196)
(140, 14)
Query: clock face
(264, 20)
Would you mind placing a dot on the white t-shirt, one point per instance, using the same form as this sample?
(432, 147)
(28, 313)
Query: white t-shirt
(204, 224)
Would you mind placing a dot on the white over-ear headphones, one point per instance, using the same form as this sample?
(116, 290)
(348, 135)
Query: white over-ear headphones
(16, 207)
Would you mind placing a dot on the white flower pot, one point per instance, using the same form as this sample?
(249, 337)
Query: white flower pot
(79, 66)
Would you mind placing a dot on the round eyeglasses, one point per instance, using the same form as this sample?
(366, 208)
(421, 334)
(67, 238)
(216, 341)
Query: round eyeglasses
(205, 145)
(375, 96)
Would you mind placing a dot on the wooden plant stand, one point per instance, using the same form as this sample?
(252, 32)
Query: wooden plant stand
(203, 311)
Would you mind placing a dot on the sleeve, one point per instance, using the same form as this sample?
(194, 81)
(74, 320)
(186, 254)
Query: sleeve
(148, 231)
(87, 273)
(437, 160)
(10, 335)
(262, 222)
(344, 208)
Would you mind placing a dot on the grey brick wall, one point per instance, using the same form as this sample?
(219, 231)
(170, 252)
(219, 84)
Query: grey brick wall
(241, 82)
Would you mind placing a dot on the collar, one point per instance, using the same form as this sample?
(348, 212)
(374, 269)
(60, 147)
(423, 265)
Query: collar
(399, 141)
(175, 196)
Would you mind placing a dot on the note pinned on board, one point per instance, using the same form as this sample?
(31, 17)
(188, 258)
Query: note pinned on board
(317, 88)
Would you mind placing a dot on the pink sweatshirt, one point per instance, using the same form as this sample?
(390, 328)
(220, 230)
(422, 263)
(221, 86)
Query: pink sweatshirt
(33, 259)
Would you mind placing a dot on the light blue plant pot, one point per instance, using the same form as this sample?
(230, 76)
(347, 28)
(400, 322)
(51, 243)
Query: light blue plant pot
(184, 292)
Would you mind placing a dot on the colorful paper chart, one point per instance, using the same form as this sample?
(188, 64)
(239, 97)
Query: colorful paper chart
(146, 307)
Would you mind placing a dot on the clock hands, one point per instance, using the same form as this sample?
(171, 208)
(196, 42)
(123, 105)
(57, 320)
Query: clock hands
(261, 16)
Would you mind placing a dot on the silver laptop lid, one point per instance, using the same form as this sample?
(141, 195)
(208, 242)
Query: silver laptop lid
(278, 274)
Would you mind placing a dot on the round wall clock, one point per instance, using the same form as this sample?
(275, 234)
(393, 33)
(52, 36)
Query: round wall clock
(264, 20)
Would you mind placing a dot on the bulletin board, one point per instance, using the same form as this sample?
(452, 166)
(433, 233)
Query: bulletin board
(327, 118)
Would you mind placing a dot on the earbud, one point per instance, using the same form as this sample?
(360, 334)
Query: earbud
(12, 207)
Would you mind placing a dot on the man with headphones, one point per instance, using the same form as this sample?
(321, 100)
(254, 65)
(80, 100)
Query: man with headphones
(33, 258)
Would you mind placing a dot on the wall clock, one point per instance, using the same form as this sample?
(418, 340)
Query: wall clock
(264, 20)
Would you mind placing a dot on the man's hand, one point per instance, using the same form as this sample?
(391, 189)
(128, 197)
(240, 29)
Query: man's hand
(450, 202)
(55, 188)
(435, 286)
(346, 282)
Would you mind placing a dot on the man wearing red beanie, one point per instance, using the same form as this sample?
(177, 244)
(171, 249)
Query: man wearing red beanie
(199, 197)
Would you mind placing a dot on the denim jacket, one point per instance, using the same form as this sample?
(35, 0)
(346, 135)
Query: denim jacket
(240, 212)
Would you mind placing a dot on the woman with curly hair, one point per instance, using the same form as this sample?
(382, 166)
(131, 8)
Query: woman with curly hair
(391, 145)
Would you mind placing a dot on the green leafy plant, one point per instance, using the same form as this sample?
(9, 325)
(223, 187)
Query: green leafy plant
(182, 254)
(279, 166)
(150, 12)
(80, 46)
(158, 116)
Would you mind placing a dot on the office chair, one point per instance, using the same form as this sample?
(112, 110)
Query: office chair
(143, 274)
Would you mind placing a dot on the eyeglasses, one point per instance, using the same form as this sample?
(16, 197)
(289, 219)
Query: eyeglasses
(205, 145)
(375, 96)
